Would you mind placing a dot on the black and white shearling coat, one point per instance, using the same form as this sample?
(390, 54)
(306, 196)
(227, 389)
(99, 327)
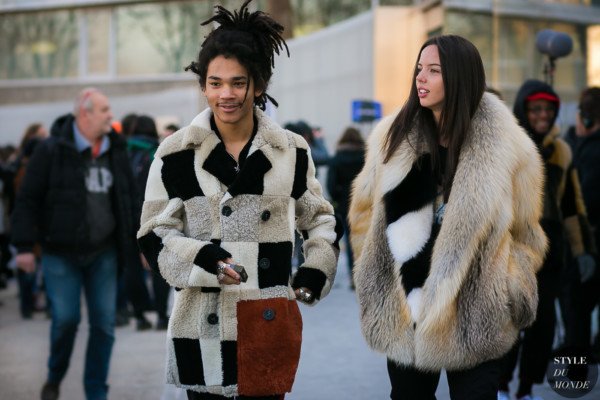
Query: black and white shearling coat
(230, 339)
(481, 286)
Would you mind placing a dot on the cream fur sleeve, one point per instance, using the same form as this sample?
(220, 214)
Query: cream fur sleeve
(528, 239)
(315, 217)
(528, 205)
(163, 241)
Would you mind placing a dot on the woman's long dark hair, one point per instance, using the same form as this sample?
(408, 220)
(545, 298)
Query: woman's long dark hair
(464, 83)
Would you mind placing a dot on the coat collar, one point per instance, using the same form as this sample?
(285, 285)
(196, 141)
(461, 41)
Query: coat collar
(484, 173)
(269, 133)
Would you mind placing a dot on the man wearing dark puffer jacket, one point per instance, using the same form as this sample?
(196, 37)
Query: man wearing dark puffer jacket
(77, 200)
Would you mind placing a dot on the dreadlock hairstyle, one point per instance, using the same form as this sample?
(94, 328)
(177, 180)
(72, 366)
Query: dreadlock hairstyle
(251, 38)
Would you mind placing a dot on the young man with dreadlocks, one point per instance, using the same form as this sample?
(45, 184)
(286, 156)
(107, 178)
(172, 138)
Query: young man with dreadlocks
(228, 190)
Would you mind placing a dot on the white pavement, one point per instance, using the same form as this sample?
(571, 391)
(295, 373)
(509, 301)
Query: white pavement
(335, 364)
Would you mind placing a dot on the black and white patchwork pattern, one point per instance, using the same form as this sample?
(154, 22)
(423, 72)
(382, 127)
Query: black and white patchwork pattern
(194, 213)
(410, 231)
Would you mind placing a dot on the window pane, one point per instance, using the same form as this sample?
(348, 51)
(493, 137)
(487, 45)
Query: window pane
(98, 25)
(517, 57)
(155, 38)
(478, 29)
(38, 45)
(594, 55)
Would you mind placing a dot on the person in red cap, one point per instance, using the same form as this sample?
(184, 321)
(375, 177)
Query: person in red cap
(564, 221)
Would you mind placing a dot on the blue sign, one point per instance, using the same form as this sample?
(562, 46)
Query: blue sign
(365, 110)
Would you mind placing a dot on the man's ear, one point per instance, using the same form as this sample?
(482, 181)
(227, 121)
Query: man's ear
(258, 89)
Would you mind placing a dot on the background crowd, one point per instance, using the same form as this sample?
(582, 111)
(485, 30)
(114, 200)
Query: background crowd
(570, 274)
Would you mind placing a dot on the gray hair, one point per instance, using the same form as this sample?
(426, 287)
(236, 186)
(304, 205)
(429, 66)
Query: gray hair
(84, 100)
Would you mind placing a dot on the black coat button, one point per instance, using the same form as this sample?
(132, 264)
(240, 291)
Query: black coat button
(265, 215)
(226, 211)
(264, 263)
(269, 314)
(213, 319)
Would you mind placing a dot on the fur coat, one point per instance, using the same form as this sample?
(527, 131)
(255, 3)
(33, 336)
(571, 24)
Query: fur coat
(236, 339)
(481, 286)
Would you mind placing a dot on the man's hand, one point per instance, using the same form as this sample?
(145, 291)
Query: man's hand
(145, 262)
(26, 262)
(304, 295)
(226, 275)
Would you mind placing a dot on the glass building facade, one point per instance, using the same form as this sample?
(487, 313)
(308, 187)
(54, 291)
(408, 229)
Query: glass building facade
(126, 40)
(139, 38)
(52, 48)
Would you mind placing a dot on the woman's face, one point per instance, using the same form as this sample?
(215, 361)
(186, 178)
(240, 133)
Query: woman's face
(429, 81)
(42, 133)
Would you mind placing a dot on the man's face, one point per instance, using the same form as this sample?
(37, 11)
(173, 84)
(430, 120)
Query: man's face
(581, 130)
(229, 91)
(541, 115)
(96, 122)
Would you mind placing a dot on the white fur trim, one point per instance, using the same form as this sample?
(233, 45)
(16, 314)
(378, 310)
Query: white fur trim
(200, 277)
(407, 236)
(166, 217)
(226, 197)
(211, 361)
(324, 228)
(155, 191)
(414, 300)
(292, 218)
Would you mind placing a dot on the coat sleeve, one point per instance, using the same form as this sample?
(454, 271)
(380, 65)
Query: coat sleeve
(589, 187)
(364, 188)
(528, 239)
(27, 214)
(588, 169)
(181, 260)
(320, 229)
(577, 227)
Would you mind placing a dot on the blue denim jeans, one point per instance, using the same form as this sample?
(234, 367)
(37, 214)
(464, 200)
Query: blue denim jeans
(64, 280)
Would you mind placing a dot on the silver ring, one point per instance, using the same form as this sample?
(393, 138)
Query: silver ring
(221, 268)
(305, 295)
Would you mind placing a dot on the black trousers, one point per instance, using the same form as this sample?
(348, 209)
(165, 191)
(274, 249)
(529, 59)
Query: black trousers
(535, 345)
(138, 294)
(578, 301)
(477, 383)
(191, 395)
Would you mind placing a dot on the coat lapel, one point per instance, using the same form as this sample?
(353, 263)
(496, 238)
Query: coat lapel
(471, 212)
(472, 202)
(250, 179)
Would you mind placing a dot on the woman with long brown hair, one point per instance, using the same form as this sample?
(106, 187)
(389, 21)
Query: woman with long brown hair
(445, 225)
